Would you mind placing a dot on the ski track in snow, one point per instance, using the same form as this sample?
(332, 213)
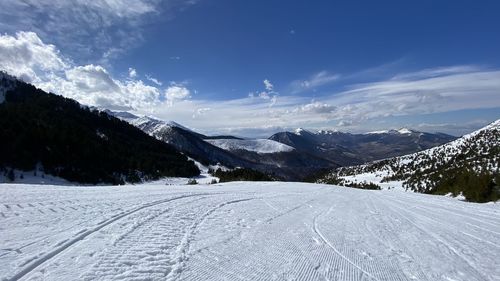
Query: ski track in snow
(243, 231)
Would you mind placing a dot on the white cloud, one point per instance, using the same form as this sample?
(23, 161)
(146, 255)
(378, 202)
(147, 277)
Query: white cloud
(87, 29)
(436, 72)
(268, 85)
(201, 112)
(423, 92)
(132, 73)
(268, 94)
(92, 78)
(24, 55)
(177, 93)
(448, 91)
(317, 80)
(352, 108)
(316, 107)
(154, 80)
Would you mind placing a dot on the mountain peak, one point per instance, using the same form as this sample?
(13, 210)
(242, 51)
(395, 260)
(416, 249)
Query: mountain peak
(405, 131)
(299, 131)
(400, 131)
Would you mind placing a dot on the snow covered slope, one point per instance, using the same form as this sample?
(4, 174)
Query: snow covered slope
(255, 145)
(243, 231)
(478, 151)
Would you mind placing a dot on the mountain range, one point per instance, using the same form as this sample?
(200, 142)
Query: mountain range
(352, 149)
(287, 155)
(63, 136)
(263, 155)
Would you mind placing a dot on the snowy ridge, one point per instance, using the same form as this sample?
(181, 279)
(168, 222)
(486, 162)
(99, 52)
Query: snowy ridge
(404, 131)
(154, 127)
(147, 123)
(243, 231)
(377, 132)
(478, 150)
(300, 131)
(457, 146)
(401, 131)
(255, 145)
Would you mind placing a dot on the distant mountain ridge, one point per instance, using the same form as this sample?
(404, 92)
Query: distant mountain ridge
(349, 149)
(279, 160)
(290, 155)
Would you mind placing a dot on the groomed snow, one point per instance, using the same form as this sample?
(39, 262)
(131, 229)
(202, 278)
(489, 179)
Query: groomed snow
(243, 231)
(255, 145)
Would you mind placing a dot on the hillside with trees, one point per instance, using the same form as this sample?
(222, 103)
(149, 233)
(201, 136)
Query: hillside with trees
(68, 140)
(468, 166)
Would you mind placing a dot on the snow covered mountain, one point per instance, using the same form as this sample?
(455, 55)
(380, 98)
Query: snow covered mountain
(354, 149)
(261, 146)
(266, 156)
(469, 165)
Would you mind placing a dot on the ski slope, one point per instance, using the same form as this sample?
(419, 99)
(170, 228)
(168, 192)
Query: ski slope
(243, 231)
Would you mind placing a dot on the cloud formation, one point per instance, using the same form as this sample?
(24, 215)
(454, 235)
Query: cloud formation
(314, 81)
(132, 73)
(176, 92)
(87, 29)
(427, 91)
(268, 94)
(424, 92)
(26, 56)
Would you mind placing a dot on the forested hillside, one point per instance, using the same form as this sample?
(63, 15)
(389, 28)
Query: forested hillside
(76, 143)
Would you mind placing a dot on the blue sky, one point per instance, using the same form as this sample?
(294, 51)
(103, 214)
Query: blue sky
(252, 68)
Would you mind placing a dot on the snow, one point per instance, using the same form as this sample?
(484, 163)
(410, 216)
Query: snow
(203, 179)
(34, 177)
(243, 231)
(377, 132)
(404, 131)
(148, 121)
(255, 145)
(375, 178)
(299, 131)
(401, 131)
(441, 154)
